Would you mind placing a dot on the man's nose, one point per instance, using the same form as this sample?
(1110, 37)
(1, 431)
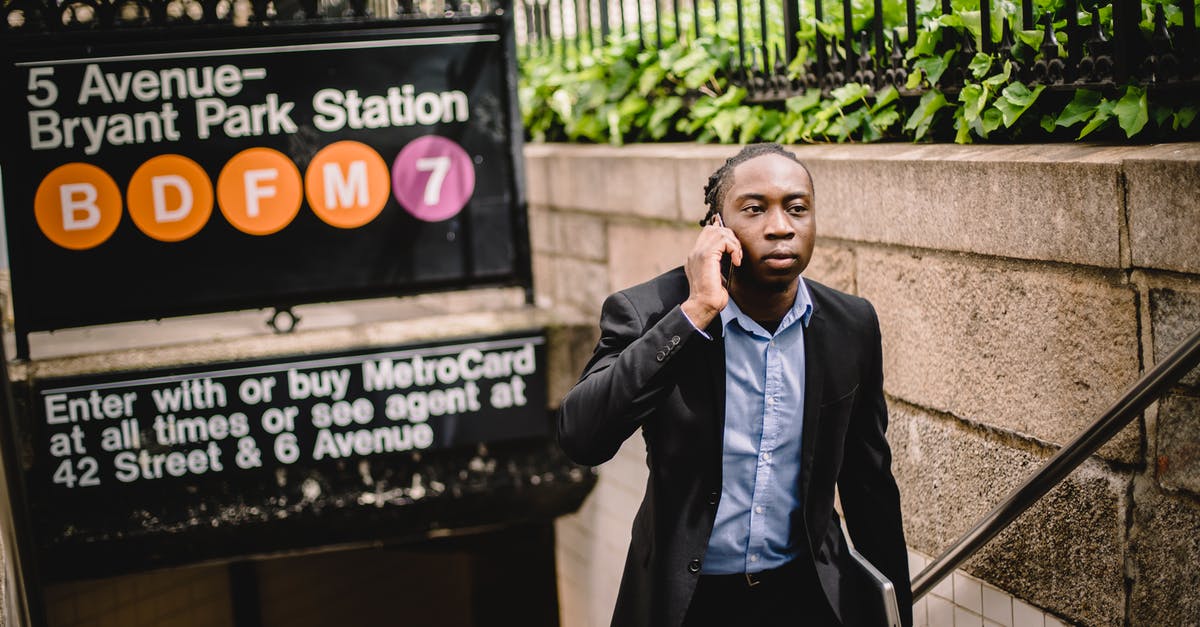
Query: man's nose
(779, 226)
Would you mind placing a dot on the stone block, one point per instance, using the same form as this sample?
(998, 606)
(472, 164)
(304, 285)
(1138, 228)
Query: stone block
(833, 266)
(625, 181)
(1164, 548)
(568, 349)
(1174, 316)
(537, 183)
(640, 252)
(1038, 351)
(543, 231)
(1057, 203)
(1065, 554)
(692, 172)
(1178, 437)
(581, 284)
(1164, 208)
(581, 235)
(545, 284)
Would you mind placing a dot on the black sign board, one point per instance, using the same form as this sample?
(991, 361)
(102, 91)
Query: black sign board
(147, 176)
(286, 453)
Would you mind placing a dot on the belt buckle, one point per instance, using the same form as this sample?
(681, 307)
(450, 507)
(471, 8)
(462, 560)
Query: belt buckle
(752, 580)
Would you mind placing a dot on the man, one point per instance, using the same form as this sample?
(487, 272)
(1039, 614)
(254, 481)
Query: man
(757, 392)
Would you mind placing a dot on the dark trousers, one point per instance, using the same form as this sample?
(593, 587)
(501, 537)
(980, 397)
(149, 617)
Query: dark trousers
(788, 596)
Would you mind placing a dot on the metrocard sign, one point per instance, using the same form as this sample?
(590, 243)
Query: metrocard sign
(248, 173)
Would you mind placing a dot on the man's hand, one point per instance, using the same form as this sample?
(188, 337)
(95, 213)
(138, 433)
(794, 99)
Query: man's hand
(708, 293)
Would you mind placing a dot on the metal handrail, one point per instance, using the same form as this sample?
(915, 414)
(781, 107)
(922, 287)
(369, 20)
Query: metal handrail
(1152, 386)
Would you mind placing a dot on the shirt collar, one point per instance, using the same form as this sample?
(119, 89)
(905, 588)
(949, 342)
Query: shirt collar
(802, 309)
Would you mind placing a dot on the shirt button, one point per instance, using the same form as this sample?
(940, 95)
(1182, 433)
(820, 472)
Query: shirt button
(712, 497)
(694, 566)
(758, 510)
(766, 456)
(753, 558)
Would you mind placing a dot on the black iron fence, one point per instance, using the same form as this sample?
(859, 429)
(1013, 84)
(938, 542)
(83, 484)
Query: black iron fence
(785, 47)
(19, 17)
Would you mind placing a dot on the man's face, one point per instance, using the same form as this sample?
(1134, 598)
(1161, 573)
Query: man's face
(769, 206)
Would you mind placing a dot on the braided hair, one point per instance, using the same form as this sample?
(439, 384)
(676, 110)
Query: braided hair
(718, 182)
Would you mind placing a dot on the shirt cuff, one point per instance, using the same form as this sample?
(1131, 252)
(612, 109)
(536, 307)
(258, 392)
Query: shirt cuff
(698, 329)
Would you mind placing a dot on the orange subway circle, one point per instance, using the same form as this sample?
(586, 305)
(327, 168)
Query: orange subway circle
(170, 198)
(259, 191)
(347, 184)
(77, 206)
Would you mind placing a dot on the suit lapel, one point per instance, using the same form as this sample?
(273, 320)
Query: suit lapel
(716, 374)
(814, 377)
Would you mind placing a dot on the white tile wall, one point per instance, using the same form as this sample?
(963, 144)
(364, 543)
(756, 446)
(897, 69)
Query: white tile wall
(961, 600)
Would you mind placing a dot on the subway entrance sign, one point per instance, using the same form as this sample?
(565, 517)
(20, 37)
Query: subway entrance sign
(143, 469)
(147, 176)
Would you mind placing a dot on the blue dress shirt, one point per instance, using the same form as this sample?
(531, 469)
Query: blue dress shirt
(760, 465)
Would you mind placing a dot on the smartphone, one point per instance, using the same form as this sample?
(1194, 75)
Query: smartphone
(726, 258)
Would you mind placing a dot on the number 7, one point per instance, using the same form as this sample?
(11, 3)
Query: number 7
(437, 167)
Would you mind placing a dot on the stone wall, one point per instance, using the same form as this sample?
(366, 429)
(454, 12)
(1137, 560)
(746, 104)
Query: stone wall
(1021, 289)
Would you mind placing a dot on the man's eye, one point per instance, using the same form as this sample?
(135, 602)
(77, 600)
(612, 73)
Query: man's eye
(753, 208)
(797, 208)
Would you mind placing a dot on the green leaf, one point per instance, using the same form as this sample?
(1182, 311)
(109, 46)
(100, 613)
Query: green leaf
(952, 20)
(1183, 118)
(1131, 111)
(800, 104)
(693, 58)
(849, 93)
(1103, 113)
(1081, 108)
(974, 99)
(723, 125)
(962, 128)
(1160, 114)
(631, 105)
(926, 45)
(1015, 100)
(999, 79)
(922, 116)
(614, 126)
(663, 110)
(885, 119)
(933, 67)
(1047, 123)
(652, 75)
(980, 64)
(885, 97)
(913, 81)
(701, 74)
(990, 121)
(1031, 38)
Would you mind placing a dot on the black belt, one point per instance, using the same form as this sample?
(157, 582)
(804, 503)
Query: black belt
(787, 572)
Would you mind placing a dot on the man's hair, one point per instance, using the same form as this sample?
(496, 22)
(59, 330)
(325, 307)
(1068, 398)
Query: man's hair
(718, 182)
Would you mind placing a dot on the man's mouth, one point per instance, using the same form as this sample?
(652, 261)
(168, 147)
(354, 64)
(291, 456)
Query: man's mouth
(780, 260)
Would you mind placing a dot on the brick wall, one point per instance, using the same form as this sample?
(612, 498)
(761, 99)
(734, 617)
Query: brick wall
(1020, 289)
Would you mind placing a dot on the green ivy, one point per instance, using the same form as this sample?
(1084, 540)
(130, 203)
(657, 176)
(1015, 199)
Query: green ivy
(619, 93)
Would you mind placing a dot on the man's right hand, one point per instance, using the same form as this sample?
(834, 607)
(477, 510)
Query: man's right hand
(708, 293)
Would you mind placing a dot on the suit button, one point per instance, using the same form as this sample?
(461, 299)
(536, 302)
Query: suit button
(694, 566)
(661, 355)
(712, 497)
(674, 340)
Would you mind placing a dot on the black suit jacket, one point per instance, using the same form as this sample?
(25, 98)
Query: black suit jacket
(652, 370)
